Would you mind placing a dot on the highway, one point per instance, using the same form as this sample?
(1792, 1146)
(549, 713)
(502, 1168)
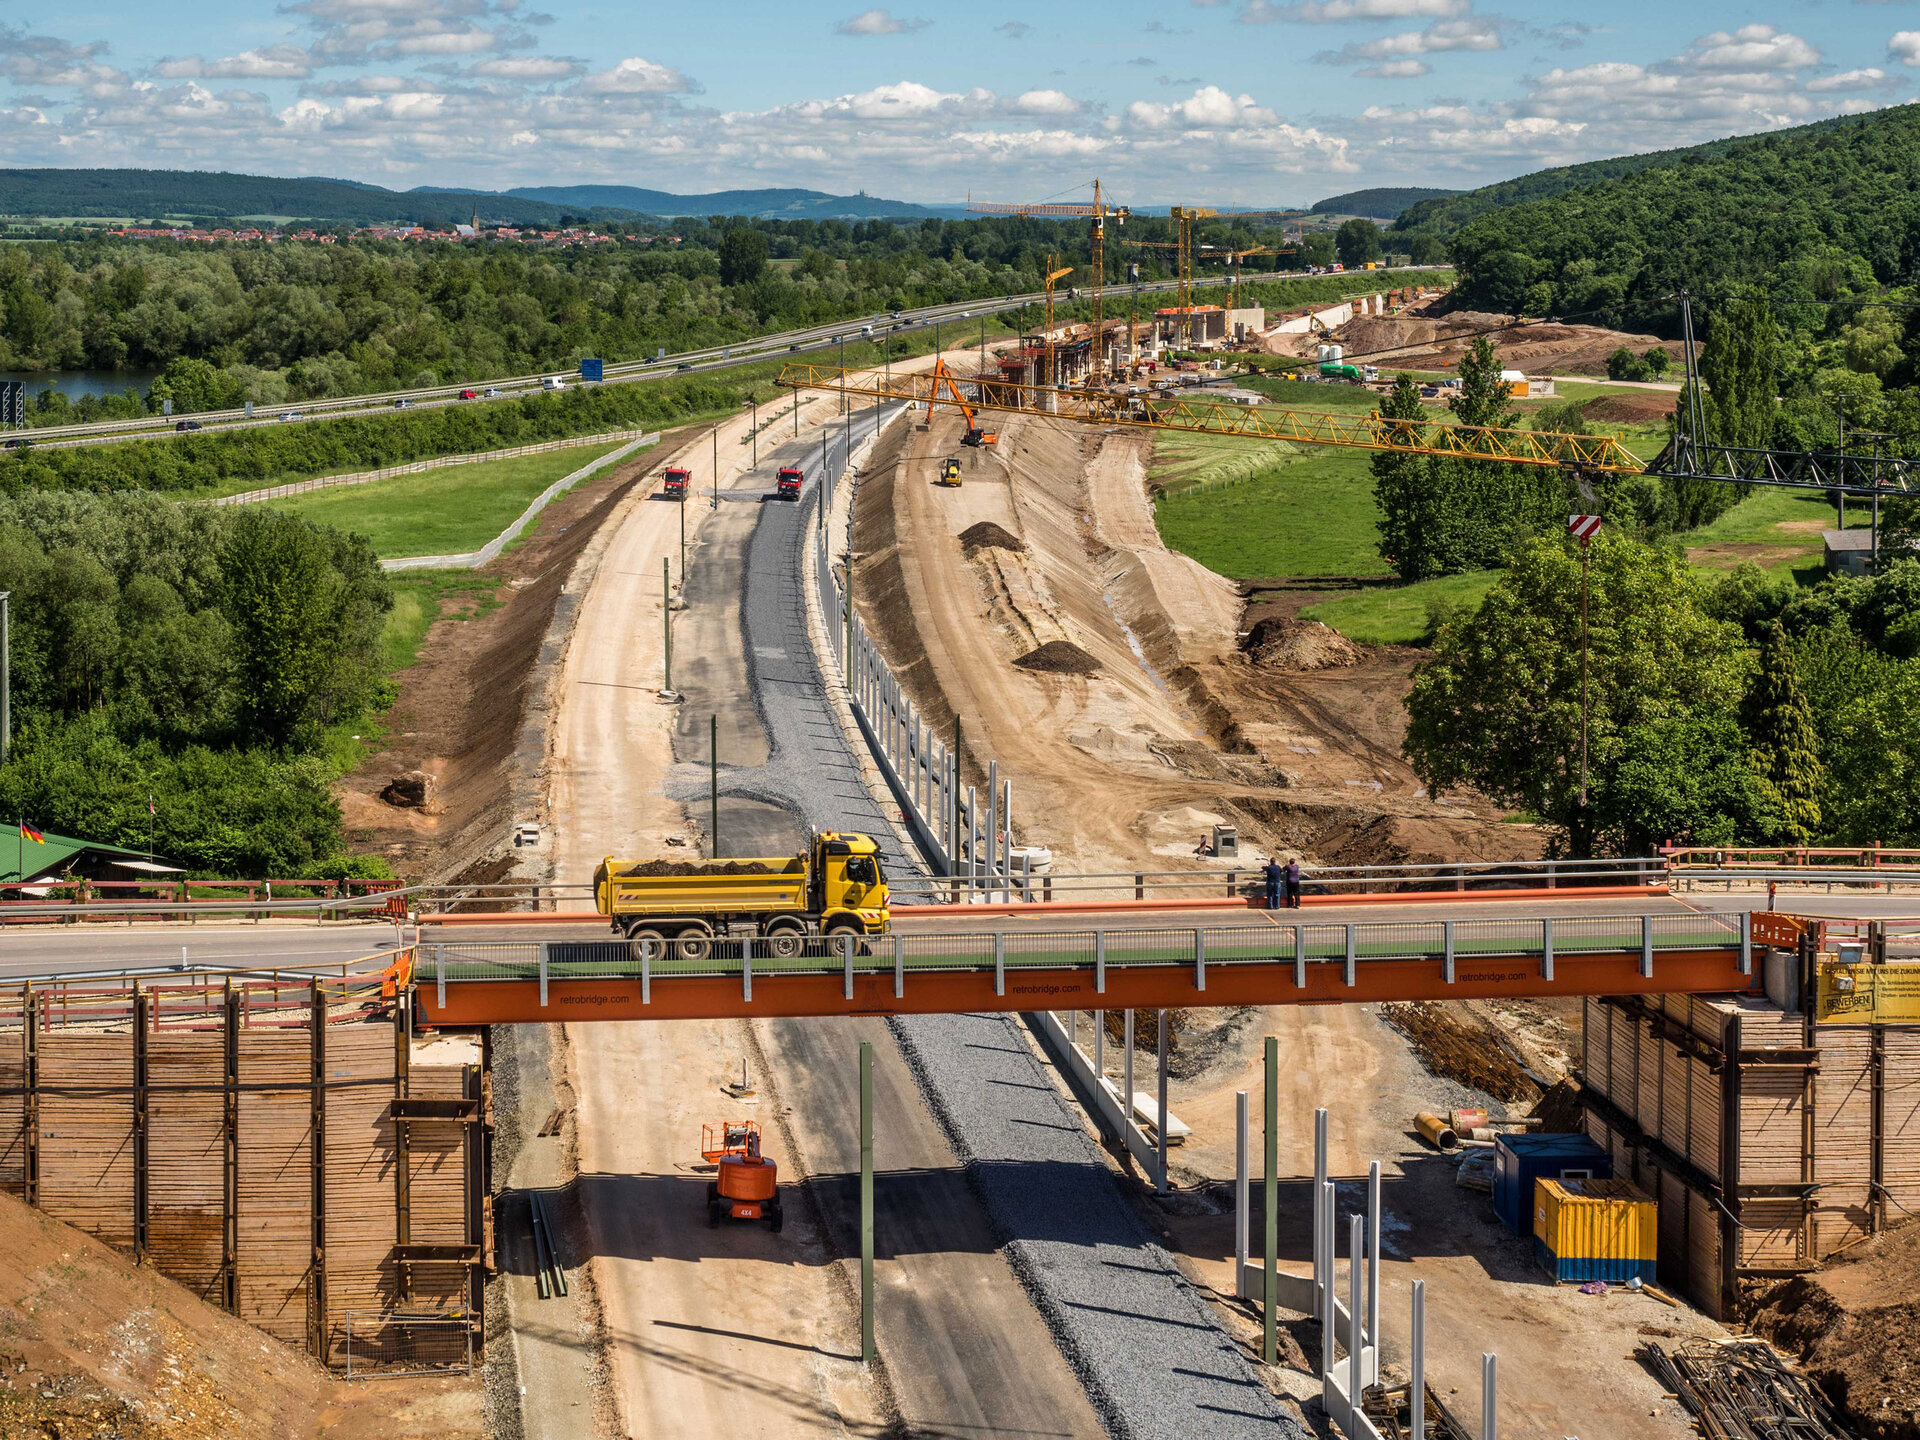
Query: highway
(715, 357)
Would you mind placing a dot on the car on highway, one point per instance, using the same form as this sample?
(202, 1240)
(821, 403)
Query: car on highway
(964, 315)
(684, 365)
(19, 442)
(553, 382)
(185, 425)
(293, 415)
(403, 403)
(490, 393)
(471, 394)
(794, 346)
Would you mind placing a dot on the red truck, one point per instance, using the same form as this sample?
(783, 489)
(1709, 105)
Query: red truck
(674, 484)
(791, 477)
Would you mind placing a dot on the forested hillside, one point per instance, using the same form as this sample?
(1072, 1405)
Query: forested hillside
(1379, 204)
(1818, 213)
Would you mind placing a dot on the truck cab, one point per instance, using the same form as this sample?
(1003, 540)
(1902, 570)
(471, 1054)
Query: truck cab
(791, 478)
(673, 484)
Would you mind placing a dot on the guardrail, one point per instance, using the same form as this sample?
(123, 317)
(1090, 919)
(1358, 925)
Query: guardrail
(1721, 857)
(1301, 945)
(1046, 886)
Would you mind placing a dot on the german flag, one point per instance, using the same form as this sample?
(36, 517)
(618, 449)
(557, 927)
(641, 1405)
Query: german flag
(27, 832)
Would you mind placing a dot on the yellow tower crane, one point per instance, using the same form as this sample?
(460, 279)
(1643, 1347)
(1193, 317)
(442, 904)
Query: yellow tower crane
(1097, 212)
(1053, 369)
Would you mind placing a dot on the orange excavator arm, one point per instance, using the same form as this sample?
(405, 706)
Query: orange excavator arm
(943, 376)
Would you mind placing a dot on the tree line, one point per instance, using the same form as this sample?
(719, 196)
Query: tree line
(200, 659)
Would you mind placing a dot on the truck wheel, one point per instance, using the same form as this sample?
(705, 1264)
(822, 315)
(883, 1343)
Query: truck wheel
(835, 931)
(693, 945)
(785, 944)
(655, 942)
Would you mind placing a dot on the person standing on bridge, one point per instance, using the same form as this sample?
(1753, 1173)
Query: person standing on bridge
(1276, 878)
(1292, 877)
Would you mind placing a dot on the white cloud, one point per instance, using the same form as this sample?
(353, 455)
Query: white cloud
(1469, 34)
(1850, 80)
(352, 32)
(1208, 108)
(275, 62)
(1327, 12)
(1752, 47)
(879, 22)
(1396, 70)
(1046, 102)
(635, 76)
(1905, 47)
(533, 68)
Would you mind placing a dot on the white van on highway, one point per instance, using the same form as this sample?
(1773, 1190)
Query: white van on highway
(553, 382)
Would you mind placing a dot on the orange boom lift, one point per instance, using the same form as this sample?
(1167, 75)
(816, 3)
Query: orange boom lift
(744, 1186)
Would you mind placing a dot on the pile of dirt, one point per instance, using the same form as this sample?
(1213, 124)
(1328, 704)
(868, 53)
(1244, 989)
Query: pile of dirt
(92, 1345)
(1560, 1111)
(1456, 1050)
(1438, 341)
(1290, 644)
(988, 536)
(1855, 1327)
(1630, 407)
(1059, 657)
(706, 867)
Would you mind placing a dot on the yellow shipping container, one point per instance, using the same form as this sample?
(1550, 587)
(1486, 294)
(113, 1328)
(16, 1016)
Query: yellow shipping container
(1595, 1220)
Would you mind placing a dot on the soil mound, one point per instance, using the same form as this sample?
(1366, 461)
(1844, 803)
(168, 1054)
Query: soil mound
(988, 536)
(1453, 1047)
(1635, 408)
(1856, 1328)
(703, 867)
(1281, 643)
(1059, 657)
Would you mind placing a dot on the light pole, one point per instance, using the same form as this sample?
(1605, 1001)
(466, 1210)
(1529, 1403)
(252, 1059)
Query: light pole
(6, 680)
(716, 466)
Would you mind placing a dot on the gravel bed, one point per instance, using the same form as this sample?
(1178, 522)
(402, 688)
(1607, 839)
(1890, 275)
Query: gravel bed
(1145, 1344)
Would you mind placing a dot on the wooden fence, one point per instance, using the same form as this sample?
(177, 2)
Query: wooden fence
(268, 1145)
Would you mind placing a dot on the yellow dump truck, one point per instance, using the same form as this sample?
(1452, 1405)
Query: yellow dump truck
(834, 887)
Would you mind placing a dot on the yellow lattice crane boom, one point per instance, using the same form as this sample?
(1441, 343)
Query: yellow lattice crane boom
(1601, 453)
(1053, 370)
(1097, 213)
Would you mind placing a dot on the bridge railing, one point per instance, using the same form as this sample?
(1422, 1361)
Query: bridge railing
(1300, 944)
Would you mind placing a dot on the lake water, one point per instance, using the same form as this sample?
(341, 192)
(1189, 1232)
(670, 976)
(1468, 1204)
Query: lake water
(76, 383)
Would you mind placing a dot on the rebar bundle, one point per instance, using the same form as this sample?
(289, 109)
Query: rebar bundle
(1742, 1390)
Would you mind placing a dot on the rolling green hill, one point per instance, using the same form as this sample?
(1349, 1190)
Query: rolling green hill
(1821, 211)
(1380, 204)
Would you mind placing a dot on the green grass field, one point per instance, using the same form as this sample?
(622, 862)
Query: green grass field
(1397, 614)
(1309, 515)
(445, 511)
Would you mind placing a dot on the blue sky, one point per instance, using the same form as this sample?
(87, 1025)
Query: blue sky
(1196, 101)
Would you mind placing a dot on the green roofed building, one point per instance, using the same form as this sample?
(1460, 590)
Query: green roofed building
(23, 862)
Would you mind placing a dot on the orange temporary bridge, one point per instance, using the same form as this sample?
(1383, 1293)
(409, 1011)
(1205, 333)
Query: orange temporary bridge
(462, 983)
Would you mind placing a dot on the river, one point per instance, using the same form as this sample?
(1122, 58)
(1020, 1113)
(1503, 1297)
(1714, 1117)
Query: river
(77, 383)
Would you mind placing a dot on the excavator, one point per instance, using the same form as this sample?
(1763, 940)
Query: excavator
(744, 1185)
(942, 376)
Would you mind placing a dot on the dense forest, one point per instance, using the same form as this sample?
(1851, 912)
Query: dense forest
(1380, 204)
(205, 658)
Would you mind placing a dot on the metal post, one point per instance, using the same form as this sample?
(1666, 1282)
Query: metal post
(1242, 1197)
(993, 821)
(1489, 1397)
(1160, 1123)
(1006, 831)
(6, 677)
(866, 1202)
(716, 467)
(1269, 1335)
(713, 774)
(953, 798)
(1373, 1257)
(1356, 1269)
(1417, 1398)
(1323, 1226)
(1126, 1070)
(1099, 1043)
(666, 621)
(1323, 1296)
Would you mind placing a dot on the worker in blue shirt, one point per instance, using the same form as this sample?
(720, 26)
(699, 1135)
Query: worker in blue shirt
(1276, 879)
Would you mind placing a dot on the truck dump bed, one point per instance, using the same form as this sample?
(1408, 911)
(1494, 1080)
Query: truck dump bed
(777, 883)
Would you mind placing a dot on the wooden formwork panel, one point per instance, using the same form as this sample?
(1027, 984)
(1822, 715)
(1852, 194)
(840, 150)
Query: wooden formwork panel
(274, 1213)
(186, 1160)
(1900, 1121)
(1843, 1139)
(1646, 1067)
(361, 1185)
(1596, 1044)
(1671, 1191)
(1772, 1111)
(437, 1155)
(13, 1113)
(86, 1134)
(1704, 1259)
(1772, 1234)
(1708, 1111)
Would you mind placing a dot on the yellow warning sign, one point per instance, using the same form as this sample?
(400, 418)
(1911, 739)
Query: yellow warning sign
(1869, 994)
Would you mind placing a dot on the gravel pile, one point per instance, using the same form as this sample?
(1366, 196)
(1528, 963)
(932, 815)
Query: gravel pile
(1146, 1346)
(703, 867)
(988, 536)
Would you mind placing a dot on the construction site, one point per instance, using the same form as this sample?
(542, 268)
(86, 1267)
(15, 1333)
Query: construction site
(837, 980)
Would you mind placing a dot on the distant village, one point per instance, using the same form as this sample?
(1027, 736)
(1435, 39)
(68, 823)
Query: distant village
(572, 235)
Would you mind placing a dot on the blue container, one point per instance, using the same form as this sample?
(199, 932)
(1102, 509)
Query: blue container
(593, 370)
(1578, 1269)
(1519, 1160)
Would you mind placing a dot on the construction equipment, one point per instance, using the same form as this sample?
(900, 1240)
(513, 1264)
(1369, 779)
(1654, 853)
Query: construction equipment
(1097, 212)
(949, 472)
(674, 483)
(940, 375)
(787, 487)
(1053, 368)
(680, 909)
(746, 1183)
